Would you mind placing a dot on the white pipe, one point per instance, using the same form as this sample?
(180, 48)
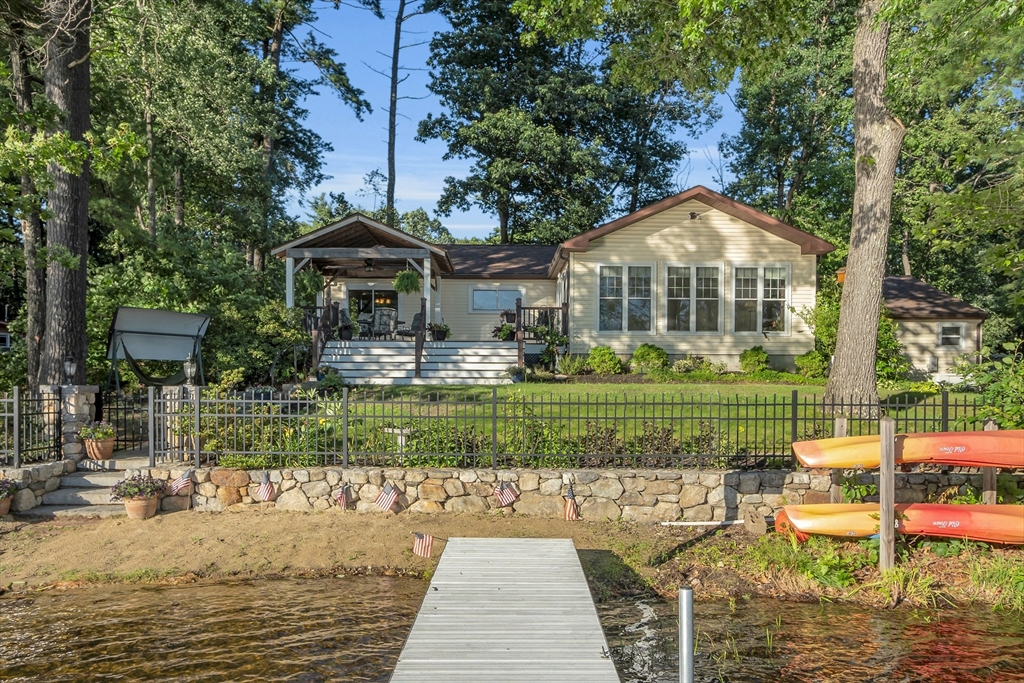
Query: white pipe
(686, 634)
(721, 523)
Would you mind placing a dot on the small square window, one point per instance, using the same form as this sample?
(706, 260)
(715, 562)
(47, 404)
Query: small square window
(951, 335)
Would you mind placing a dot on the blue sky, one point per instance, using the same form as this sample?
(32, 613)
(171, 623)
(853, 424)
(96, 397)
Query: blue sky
(360, 147)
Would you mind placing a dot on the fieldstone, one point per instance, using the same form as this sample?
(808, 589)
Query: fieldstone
(718, 514)
(670, 476)
(394, 474)
(690, 496)
(317, 474)
(662, 512)
(538, 505)
(466, 504)
(333, 478)
(365, 507)
(23, 500)
(753, 499)
(230, 478)
(600, 508)
(815, 497)
(18, 476)
(700, 513)
(800, 478)
(52, 484)
(208, 489)
(293, 500)
(580, 477)
(774, 500)
(710, 480)
(174, 503)
(487, 475)
(429, 507)
(507, 476)
(432, 489)
(668, 498)
(909, 496)
(228, 495)
(632, 483)
(255, 477)
(454, 487)
(529, 481)
(655, 488)
(731, 479)
(821, 483)
(716, 495)
(634, 499)
(321, 504)
(750, 482)
(415, 476)
(438, 474)
(369, 492)
(301, 476)
(480, 489)
(607, 488)
(468, 476)
(316, 489)
(210, 505)
(551, 487)
(691, 478)
(773, 479)
(355, 477)
(411, 494)
(276, 476)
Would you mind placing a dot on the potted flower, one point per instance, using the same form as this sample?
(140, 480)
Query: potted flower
(7, 490)
(140, 494)
(345, 330)
(508, 316)
(439, 330)
(407, 281)
(99, 440)
(504, 332)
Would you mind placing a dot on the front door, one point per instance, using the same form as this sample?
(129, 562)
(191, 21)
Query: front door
(363, 302)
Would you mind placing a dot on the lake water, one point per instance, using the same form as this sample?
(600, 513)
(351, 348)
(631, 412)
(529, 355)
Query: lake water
(353, 629)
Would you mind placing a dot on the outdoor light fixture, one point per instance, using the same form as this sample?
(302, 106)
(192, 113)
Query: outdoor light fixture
(368, 265)
(190, 369)
(69, 369)
(694, 216)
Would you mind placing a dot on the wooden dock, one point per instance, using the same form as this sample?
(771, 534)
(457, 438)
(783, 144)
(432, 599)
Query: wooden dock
(515, 609)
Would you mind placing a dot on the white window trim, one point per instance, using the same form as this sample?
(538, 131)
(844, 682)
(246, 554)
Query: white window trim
(938, 335)
(760, 298)
(625, 298)
(385, 285)
(5, 340)
(496, 288)
(722, 293)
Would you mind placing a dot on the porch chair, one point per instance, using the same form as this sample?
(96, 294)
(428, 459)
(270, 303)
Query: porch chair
(385, 321)
(411, 330)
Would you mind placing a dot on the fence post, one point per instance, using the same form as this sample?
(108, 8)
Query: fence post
(887, 494)
(520, 350)
(945, 410)
(196, 391)
(988, 474)
(151, 425)
(494, 428)
(344, 428)
(58, 439)
(17, 426)
(686, 634)
(792, 419)
(835, 492)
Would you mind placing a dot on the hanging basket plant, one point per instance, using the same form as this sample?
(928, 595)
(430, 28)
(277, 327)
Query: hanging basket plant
(407, 282)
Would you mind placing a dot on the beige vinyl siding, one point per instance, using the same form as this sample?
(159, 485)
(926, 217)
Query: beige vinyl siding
(672, 238)
(920, 340)
(467, 326)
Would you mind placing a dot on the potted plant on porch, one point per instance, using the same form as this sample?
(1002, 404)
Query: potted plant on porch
(440, 331)
(99, 440)
(140, 494)
(504, 332)
(7, 490)
(407, 281)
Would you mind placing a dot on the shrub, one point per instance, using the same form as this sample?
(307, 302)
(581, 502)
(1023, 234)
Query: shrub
(700, 364)
(603, 361)
(573, 365)
(97, 430)
(139, 486)
(813, 364)
(648, 357)
(237, 461)
(1001, 381)
(754, 360)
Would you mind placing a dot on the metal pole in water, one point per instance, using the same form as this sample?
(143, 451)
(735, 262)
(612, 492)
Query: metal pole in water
(685, 635)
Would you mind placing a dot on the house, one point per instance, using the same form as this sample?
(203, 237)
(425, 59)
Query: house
(5, 337)
(696, 273)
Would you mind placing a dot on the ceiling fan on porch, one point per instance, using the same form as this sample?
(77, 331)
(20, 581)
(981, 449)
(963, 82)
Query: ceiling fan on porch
(368, 265)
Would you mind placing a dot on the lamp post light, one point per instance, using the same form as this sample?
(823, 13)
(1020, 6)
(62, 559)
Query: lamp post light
(190, 369)
(69, 370)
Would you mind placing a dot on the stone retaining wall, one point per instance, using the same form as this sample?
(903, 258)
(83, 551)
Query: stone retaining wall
(638, 495)
(36, 479)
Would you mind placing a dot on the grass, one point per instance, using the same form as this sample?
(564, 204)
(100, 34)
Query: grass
(1002, 575)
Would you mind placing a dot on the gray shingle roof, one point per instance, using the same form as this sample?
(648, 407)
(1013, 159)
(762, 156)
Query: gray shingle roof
(908, 297)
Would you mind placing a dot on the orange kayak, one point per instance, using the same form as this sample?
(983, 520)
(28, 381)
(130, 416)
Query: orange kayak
(989, 523)
(967, 449)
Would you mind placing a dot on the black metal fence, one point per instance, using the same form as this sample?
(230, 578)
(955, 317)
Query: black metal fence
(30, 427)
(482, 429)
(127, 413)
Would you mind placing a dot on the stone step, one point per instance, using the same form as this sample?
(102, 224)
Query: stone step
(85, 480)
(95, 496)
(117, 463)
(74, 511)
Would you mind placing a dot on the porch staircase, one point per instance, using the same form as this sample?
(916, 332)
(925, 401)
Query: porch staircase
(447, 362)
(86, 493)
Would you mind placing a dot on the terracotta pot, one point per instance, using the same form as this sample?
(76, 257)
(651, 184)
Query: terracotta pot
(99, 449)
(141, 508)
(5, 506)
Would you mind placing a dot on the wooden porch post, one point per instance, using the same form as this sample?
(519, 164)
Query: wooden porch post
(426, 289)
(520, 335)
(421, 334)
(289, 282)
(437, 300)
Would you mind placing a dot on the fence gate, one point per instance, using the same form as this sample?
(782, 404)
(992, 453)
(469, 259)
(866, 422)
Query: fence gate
(30, 427)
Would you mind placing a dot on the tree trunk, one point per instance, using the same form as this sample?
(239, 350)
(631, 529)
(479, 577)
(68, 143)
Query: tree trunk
(503, 222)
(179, 198)
(877, 141)
(67, 87)
(31, 223)
(272, 54)
(906, 251)
(150, 178)
(389, 211)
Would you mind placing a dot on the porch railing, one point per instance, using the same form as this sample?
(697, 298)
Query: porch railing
(530, 319)
(482, 429)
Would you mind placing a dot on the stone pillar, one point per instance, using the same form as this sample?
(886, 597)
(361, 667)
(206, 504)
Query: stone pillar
(78, 408)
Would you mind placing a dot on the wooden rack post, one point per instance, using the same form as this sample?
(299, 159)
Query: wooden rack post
(988, 474)
(835, 492)
(887, 495)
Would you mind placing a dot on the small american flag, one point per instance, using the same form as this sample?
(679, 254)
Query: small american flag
(387, 497)
(181, 482)
(266, 490)
(572, 510)
(505, 494)
(423, 545)
(342, 497)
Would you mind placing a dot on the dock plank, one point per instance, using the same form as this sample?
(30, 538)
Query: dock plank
(512, 608)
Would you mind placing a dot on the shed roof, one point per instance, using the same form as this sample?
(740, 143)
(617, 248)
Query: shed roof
(907, 298)
(486, 261)
(809, 244)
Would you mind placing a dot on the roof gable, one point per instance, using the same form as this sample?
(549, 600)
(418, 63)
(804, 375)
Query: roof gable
(809, 244)
(358, 230)
(908, 298)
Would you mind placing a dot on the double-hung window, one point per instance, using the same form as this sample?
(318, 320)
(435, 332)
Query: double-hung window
(692, 298)
(625, 299)
(760, 298)
(493, 300)
(951, 335)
